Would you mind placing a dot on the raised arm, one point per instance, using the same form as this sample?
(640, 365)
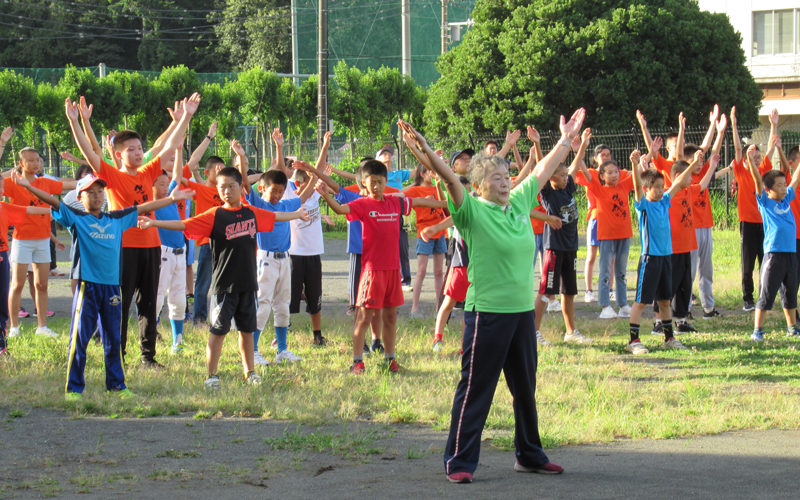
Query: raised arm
(680, 143)
(66, 155)
(344, 173)
(301, 165)
(416, 152)
(335, 205)
(517, 156)
(721, 125)
(751, 151)
(569, 130)
(190, 105)
(280, 161)
(785, 168)
(645, 132)
(110, 150)
(638, 190)
(45, 197)
(737, 141)
(773, 132)
(713, 163)
(712, 125)
(86, 115)
(585, 139)
(176, 114)
(511, 141)
(536, 139)
(525, 171)
(795, 178)
(446, 174)
(80, 138)
(655, 146)
(198, 153)
(684, 180)
(323, 153)
(243, 164)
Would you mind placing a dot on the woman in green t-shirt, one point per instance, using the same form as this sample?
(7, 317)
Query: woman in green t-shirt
(500, 333)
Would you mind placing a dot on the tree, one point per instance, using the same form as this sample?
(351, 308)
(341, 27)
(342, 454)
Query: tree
(527, 62)
(266, 41)
(348, 105)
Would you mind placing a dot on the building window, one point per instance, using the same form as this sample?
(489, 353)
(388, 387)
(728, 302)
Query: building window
(774, 32)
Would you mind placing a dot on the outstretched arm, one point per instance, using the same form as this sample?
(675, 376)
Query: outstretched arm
(45, 197)
(335, 205)
(638, 189)
(176, 195)
(429, 231)
(428, 203)
(446, 174)
(173, 225)
(287, 216)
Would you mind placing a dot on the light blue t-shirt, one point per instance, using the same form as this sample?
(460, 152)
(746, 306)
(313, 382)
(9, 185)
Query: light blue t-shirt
(170, 238)
(100, 239)
(654, 229)
(354, 242)
(398, 177)
(779, 223)
(280, 238)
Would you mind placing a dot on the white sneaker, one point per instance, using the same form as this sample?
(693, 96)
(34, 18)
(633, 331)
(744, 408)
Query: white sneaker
(541, 340)
(624, 312)
(589, 296)
(13, 331)
(259, 359)
(408, 288)
(43, 331)
(212, 383)
(577, 337)
(674, 343)
(287, 355)
(416, 315)
(636, 348)
(253, 378)
(554, 306)
(608, 313)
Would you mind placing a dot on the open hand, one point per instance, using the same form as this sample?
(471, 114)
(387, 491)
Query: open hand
(326, 140)
(698, 156)
(642, 120)
(212, 130)
(182, 194)
(176, 113)
(751, 151)
(19, 179)
(554, 222)
(533, 134)
(512, 137)
(191, 104)
(712, 117)
(415, 136)
(655, 146)
(86, 111)
(60, 246)
(237, 148)
(71, 110)
(573, 126)
(304, 215)
(722, 123)
(144, 222)
(277, 137)
(70, 157)
(714, 161)
(5, 136)
(773, 116)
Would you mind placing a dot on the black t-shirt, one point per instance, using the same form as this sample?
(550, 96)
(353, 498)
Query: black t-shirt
(561, 203)
(232, 237)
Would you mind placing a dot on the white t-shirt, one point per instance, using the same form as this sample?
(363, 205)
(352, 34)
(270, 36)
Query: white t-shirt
(71, 199)
(306, 236)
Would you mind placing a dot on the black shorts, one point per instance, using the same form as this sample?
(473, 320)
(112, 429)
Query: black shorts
(654, 279)
(778, 272)
(306, 275)
(240, 307)
(560, 273)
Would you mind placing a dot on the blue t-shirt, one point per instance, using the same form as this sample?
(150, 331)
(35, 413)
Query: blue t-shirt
(100, 239)
(398, 177)
(779, 223)
(170, 238)
(354, 242)
(280, 238)
(654, 228)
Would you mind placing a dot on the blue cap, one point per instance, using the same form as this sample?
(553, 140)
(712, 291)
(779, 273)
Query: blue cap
(87, 181)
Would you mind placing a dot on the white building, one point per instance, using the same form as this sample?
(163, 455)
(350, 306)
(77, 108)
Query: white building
(770, 32)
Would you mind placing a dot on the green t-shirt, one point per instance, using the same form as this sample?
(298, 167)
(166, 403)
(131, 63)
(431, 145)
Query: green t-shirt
(500, 245)
(145, 159)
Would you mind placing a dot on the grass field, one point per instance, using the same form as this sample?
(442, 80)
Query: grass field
(585, 393)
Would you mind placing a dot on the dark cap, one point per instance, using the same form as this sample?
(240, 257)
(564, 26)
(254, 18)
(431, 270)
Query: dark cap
(457, 152)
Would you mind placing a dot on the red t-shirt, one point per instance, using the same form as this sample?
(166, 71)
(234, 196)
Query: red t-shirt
(795, 204)
(426, 217)
(681, 219)
(613, 208)
(387, 189)
(747, 205)
(380, 230)
(34, 227)
(10, 215)
(125, 190)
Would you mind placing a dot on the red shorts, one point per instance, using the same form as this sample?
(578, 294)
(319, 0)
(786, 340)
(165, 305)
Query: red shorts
(379, 289)
(457, 283)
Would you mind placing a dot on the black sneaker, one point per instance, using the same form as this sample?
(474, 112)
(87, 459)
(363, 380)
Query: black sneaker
(658, 328)
(459, 306)
(711, 314)
(366, 349)
(694, 299)
(377, 346)
(351, 310)
(749, 305)
(3, 343)
(319, 340)
(689, 315)
(152, 364)
(684, 327)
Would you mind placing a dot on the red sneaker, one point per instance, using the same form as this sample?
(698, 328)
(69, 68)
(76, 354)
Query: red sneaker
(357, 368)
(460, 477)
(394, 366)
(548, 468)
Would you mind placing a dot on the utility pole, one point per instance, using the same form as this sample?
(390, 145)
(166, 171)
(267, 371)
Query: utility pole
(406, 16)
(445, 28)
(295, 55)
(322, 58)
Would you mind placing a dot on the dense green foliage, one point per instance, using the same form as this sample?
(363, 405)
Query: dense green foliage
(527, 62)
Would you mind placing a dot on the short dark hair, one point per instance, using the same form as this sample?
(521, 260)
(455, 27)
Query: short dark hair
(83, 170)
(793, 154)
(678, 168)
(463, 180)
(373, 167)
(213, 160)
(276, 177)
(124, 136)
(671, 135)
(690, 149)
(597, 150)
(770, 177)
(491, 141)
(231, 172)
(650, 177)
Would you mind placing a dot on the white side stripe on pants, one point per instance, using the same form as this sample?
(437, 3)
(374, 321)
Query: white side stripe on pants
(469, 385)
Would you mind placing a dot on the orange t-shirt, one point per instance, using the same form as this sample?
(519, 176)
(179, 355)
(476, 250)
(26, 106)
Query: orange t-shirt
(426, 217)
(681, 219)
(591, 213)
(665, 167)
(613, 208)
(205, 198)
(125, 190)
(536, 224)
(701, 210)
(34, 227)
(10, 215)
(747, 205)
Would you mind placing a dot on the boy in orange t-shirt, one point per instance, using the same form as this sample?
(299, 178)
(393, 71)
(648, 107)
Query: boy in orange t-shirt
(141, 248)
(31, 240)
